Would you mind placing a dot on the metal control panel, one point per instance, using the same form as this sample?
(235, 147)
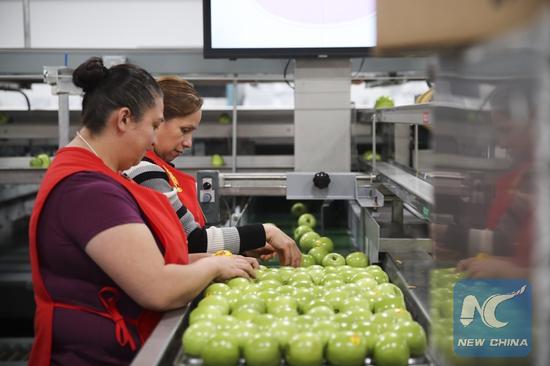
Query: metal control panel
(208, 195)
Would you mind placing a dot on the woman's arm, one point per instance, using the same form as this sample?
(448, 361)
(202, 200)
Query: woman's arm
(130, 256)
(196, 256)
(199, 240)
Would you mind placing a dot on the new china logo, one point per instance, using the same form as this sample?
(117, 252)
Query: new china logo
(492, 318)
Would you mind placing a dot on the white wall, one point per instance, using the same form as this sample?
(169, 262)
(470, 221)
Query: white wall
(11, 24)
(103, 23)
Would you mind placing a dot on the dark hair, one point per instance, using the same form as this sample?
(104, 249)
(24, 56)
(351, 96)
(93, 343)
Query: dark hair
(180, 97)
(106, 90)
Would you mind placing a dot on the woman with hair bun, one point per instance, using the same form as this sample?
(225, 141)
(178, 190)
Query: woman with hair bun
(182, 112)
(106, 253)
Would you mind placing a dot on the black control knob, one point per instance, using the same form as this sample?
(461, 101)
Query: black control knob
(321, 180)
(206, 185)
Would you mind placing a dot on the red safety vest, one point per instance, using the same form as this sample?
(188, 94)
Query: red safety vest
(162, 221)
(184, 184)
(502, 202)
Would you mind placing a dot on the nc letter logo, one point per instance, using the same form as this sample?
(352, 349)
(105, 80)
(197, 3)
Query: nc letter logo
(486, 311)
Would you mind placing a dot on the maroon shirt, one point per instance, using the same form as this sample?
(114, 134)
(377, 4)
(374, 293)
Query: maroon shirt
(80, 207)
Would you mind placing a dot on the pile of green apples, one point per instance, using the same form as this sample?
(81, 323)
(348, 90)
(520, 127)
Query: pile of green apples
(442, 281)
(40, 161)
(306, 316)
(319, 249)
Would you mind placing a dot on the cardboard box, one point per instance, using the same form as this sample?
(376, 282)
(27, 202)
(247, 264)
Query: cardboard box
(405, 25)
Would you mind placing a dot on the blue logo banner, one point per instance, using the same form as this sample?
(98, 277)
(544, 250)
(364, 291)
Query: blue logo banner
(492, 318)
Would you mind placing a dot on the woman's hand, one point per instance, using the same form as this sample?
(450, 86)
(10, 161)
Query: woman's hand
(233, 266)
(491, 267)
(283, 245)
(264, 253)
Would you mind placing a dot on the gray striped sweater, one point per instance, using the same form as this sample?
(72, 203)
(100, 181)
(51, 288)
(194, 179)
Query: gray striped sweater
(200, 240)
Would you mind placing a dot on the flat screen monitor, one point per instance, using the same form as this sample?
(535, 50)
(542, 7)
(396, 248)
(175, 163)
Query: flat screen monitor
(288, 28)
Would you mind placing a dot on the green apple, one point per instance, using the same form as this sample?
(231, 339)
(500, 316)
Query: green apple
(305, 349)
(267, 294)
(355, 302)
(333, 260)
(344, 321)
(398, 314)
(281, 331)
(35, 162)
(252, 302)
(281, 301)
(44, 159)
(224, 119)
(322, 311)
(315, 268)
(264, 321)
(301, 230)
(336, 297)
(391, 350)
(347, 348)
(243, 331)
(217, 289)
(388, 301)
(217, 161)
(359, 276)
(335, 283)
(368, 330)
(298, 209)
(225, 323)
(328, 277)
(414, 335)
(324, 242)
(325, 328)
(262, 350)
(204, 313)
(374, 267)
(220, 350)
(347, 274)
(352, 289)
(307, 260)
(368, 155)
(382, 321)
(316, 276)
(303, 299)
(390, 288)
(269, 275)
(307, 219)
(232, 297)
(284, 312)
(238, 282)
(287, 290)
(268, 284)
(216, 300)
(318, 254)
(357, 259)
(303, 322)
(306, 241)
(384, 102)
(357, 314)
(298, 277)
(378, 274)
(303, 284)
(195, 337)
(245, 314)
(314, 303)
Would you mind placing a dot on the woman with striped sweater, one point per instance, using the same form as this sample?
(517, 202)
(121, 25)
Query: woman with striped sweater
(182, 115)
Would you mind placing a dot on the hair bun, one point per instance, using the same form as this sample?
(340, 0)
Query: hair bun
(90, 74)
